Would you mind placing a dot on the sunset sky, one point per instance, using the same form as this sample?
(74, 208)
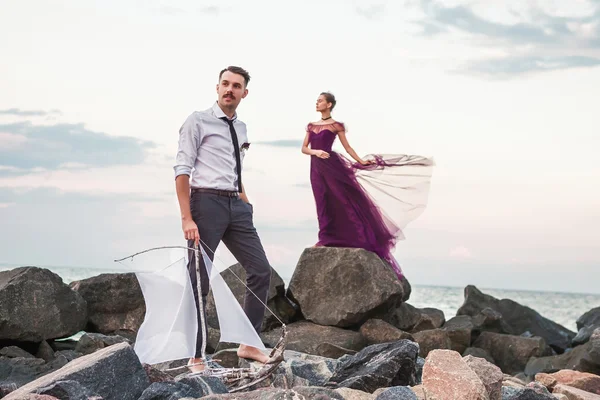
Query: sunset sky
(502, 95)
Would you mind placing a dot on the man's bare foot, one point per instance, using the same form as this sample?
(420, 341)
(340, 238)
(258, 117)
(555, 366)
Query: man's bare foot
(252, 353)
(196, 368)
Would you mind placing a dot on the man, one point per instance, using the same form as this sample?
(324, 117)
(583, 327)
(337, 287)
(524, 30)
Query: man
(218, 208)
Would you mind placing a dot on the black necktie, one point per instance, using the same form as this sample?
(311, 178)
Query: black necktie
(236, 149)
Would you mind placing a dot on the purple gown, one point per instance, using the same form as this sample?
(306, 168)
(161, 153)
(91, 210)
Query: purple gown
(348, 215)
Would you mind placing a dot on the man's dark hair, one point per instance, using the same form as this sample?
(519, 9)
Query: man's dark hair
(330, 98)
(237, 70)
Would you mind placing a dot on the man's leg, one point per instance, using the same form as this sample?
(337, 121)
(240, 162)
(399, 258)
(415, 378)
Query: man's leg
(242, 240)
(211, 214)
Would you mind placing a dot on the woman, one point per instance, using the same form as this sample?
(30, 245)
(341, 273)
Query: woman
(366, 203)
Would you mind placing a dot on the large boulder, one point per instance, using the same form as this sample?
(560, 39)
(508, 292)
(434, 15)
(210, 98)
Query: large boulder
(432, 339)
(377, 366)
(309, 338)
(518, 318)
(490, 375)
(276, 300)
(579, 380)
(343, 287)
(584, 358)
(115, 302)
(114, 372)
(446, 375)
(459, 330)
(510, 352)
(404, 317)
(377, 331)
(37, 305)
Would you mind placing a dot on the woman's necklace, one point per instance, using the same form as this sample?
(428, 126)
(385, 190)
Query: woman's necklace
(325, 119)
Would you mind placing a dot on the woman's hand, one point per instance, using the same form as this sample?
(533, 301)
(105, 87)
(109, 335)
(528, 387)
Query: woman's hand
(321, 154)
(368, 162)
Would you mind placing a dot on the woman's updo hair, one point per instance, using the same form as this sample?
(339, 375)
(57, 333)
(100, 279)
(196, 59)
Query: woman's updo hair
(330, 98)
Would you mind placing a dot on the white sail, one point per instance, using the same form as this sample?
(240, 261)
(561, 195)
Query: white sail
(170, 325)
(235, 327)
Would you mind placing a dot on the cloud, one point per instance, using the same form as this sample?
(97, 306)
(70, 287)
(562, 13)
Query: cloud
(372, 12)
(26, 146)
(170, 10)
(282, 143)
(175, 11)
(214, 10)
(82, 229)
(533, 41)
(461, 252)
(28, 113)
(505, 67)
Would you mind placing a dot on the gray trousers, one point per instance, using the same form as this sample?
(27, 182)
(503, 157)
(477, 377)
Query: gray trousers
(229, 219)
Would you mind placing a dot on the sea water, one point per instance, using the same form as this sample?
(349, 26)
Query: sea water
(562, 308)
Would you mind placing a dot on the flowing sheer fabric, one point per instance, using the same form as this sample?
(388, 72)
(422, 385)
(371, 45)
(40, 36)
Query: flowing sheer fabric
(366, 206)
(170, 325)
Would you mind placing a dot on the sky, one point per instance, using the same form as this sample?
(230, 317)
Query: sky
(501, 94)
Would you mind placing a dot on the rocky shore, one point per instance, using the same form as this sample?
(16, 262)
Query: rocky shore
(352, 335)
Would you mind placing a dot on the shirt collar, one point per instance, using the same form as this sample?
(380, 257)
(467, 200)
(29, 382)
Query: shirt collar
(219, 113)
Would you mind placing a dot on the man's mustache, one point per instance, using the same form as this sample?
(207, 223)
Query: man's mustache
(229, 95)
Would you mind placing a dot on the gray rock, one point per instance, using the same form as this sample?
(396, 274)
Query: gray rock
(490, 375)
(404, 317)
(169, 390)
(436, 316)
(377, 331)
(377, 366)
(298, 369)
(114, 302)
(331, 350)
(205, 385)
(37, 305)
(45, 351)
(156, 375)
(300, 392)
(91, 342)
(16, 372)
(591, 317)
(277, 301)
(67, 389)
(14, 352)
(586, 324)
(112, 373)
(512, 353)
(518, 318)
(584, 358)
(343, 287)
(306, 337)
(481, 353)
(584, 334)
(420, 365)
(432, 340)
(513, 393)
(397, 393)
(459, 330)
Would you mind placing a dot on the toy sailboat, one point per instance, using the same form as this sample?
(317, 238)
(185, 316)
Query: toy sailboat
(169, 330)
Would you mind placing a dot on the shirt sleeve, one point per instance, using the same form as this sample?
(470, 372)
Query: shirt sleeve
(189, 140)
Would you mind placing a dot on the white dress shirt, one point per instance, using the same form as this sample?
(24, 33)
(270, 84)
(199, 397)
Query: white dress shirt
(205, 145)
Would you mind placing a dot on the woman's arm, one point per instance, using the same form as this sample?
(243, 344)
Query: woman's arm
(305, 148)
(349, 149)
(311, 152)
